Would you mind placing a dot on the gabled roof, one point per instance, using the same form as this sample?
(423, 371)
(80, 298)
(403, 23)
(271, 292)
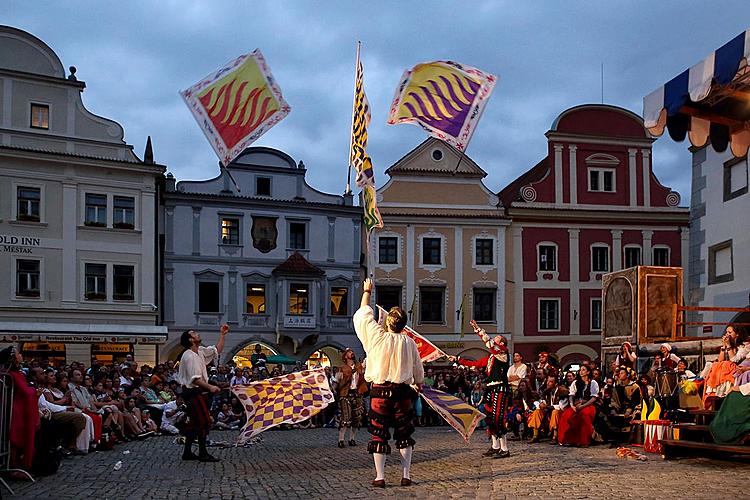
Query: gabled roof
(298, 264)
(420, 161)
(512, 192)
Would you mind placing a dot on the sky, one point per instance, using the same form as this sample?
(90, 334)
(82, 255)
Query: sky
(136, 56)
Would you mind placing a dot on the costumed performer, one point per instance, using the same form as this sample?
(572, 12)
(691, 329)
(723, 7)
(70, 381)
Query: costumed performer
(350, 386)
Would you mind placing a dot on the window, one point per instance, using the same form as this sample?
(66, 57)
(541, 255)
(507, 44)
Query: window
(255, 302)
(484, 252)
(388, 250)
(388, 296)
(600, 259)
(208, 297)
(720, 263)
(431, 304)
(437, 155)
(263, 186)
(27, 278)
(484, 305)
(661, 256)
(549, 314)
(230, 231)
(39, 116)
(123, 215)
(299, 298)
(735, 178)
(632, 256)
(602, 180)
(297, 232)
(28, 203)
(431, 251)
(596, 314)
(123, 283)
(339, 301)
(547, 258)
(96, 281)
(96, 210)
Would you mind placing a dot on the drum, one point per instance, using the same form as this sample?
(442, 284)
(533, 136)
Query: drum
(666, 383)
(653, 432)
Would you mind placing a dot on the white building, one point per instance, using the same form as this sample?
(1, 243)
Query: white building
(78, 260)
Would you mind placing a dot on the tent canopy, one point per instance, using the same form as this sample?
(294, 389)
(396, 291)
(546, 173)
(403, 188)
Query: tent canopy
(280, 359)
(709, 102)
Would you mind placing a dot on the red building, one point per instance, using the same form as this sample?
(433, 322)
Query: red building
(593, 205)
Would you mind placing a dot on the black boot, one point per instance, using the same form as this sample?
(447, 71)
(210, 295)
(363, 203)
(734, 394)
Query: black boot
(188, 454)
(203, 455)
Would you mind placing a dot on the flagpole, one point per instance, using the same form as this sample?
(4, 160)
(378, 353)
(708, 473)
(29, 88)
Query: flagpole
(351, 133)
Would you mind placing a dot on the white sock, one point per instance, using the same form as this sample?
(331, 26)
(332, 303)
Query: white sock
(406, 461)
(342, 431)
(379, 459)
(352, 432)
(495, 443)
(504, 442)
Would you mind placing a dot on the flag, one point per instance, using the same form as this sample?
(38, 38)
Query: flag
(445, 98)
(358, 157)
(462, 315)
(427, 350)
(236, 104)
(290, 398)
(460, 415)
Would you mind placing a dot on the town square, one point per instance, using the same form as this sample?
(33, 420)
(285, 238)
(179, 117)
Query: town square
(296, 250)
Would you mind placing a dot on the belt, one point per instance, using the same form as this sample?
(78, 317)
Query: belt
(389, 390)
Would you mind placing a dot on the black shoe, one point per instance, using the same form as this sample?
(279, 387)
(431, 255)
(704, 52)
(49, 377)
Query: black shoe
(490, 452)
(352, 442)
(406, 481)
(341, 444)
(189, 456)
(502, 454)
(207, 458)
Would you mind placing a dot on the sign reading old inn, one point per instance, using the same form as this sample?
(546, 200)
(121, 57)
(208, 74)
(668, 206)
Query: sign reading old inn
(18, 244)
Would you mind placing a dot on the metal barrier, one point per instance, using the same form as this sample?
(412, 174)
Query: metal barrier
(6, 414)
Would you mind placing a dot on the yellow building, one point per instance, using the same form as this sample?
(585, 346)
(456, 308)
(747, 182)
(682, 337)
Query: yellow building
(442, 248)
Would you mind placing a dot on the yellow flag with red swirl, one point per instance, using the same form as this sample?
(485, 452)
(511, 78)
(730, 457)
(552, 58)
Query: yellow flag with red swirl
(236, 104)
(445, 98)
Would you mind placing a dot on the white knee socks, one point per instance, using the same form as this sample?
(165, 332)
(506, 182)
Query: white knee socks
(406, 461)
(504, 442)
(495, 443)
(342, 432)
(379, 459)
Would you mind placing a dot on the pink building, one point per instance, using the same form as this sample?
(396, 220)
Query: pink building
(593, 205)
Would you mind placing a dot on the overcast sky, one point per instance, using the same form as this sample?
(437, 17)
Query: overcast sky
(135, 56)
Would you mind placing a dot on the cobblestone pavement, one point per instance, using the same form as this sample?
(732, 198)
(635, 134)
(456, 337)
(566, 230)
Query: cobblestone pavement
(307, 464)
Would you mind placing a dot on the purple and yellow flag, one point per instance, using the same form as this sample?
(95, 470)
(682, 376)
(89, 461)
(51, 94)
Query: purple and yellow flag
(236, 104)
(461, 416)
(290, 398)
(445, 98)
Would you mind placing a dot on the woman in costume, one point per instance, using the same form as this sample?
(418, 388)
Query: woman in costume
(721, 378)
(577, 421)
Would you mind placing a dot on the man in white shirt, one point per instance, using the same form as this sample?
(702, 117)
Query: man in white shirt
(517, 371)
(393, 364)
(194, 380)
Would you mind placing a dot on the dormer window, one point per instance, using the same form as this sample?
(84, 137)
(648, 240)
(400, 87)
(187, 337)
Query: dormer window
(40, 116)
(602, 180)
(262, 186)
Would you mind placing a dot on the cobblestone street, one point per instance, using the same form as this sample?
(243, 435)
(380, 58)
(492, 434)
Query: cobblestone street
(307, 464)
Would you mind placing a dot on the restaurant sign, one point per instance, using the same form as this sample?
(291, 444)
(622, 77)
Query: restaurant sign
(19, 244)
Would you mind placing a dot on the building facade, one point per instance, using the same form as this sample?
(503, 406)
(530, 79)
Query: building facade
(272, 257)
(593, 205)
(441, 252)
(718, 273)
(77, 218)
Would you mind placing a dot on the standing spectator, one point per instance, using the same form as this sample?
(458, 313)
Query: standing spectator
(25, 419)
(517, 371)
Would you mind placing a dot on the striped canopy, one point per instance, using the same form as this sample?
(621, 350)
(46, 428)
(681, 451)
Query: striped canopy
(709, 102)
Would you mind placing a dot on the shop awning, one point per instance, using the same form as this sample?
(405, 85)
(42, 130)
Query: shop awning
(82, 333)
(709, 102)
(280, 359)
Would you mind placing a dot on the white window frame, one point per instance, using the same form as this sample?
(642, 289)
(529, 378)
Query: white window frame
(591, 313)
(474, 251)
(110, 208)
(661, 247)
(539, 254)
(539, 314)
(624, 254)
(601, 171)
(42, 288)
(443, 251)
(135, 205)
(107, 285)
(42, 205)
(609, 258)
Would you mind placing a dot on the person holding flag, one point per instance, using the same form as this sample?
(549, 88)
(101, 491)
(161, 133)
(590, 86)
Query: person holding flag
(393, 365)
(497, 390)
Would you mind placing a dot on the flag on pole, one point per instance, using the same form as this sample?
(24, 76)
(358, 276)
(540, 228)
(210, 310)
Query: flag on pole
(445, 98)
(461, 315)
(461, 416)
(290, 398)
(236, 104)
(427, 350)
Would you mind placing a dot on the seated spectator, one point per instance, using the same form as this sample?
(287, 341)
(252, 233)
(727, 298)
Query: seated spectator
(226, 419)
(126, 377)
(174, 416)
(238, 378)
(514, 416)
(526, 399)
(682, 371)
(83, 401)
(72, 426)
(577, 421)
(103, 401)
(133, 419)
(146, 422)
(540, 419)
(720, 379)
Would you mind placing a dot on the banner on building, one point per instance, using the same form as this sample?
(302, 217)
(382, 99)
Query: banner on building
(427, 350)
(461, 416)
(236, 104)
(287, 399)
(445, 98)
